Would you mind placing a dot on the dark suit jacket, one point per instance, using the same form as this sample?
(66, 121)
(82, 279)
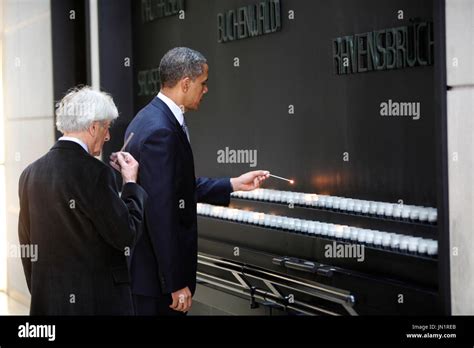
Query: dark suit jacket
(70, 208)
(165, 258)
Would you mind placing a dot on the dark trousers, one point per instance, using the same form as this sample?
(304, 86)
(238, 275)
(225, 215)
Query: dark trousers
(145, 305)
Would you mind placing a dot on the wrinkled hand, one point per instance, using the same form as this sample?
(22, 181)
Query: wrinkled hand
(126, 165)
(249, 181)
(182, 300)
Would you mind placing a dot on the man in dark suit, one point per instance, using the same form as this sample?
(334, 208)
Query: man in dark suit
(71, 211)
(164, 261)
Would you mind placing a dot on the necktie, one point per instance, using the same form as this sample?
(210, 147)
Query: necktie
(185, 130)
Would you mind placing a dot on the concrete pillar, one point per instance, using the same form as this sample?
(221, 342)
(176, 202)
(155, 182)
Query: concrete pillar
(460, 80)
(28, 110)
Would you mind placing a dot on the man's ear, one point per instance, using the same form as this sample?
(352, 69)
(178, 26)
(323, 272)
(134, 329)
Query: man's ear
(93, 129)
(185, 83)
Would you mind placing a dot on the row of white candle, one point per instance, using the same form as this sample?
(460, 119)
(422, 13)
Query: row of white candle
(355, 234)
(391, 210)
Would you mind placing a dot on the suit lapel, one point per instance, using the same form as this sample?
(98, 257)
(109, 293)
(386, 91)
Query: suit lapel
(169, 114)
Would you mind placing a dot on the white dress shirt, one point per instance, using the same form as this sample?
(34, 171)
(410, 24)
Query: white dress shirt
(175, 109)
(77, 141)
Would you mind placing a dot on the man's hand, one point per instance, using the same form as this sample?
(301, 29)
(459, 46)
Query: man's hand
(182, 300)
(126, 165)
(249, 181)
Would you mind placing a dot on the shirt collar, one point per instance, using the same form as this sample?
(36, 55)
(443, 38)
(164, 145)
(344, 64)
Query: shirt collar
(77, 141)
(175, 109)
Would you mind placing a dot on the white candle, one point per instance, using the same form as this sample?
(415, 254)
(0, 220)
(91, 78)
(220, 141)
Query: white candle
(413, 244)
(343, 204)
(433, 215)
(369, 237)
(270, 195)
(291, 224)
(381, 209)
(318, 228)
(373, 207)
(350, 205)
(278, 196)
(406, 212)
(386, 240)
(315, 201)
(415, 213)
(361, 236)
(422, 247)
(273, 221)
(354, 233)
(234, 214)
(331, 230)
(397, 212)
(423, 214)
(298, 225)
(301, 198)
(253, 218)
(395, 241)
(324, 229)
(365, 207)
(378, 238)
(388, 209)
(346, 232)
(312, 227)
(285, 224)
(404, 243)
(247, 217)
(339, 231)
(307, 199)
(358, 206)
(432, 248)
(266, 195)
(240, 216)
(266, 220)
(322, 201)
(329, 202)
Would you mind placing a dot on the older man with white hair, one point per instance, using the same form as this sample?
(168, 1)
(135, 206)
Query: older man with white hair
(72, 214)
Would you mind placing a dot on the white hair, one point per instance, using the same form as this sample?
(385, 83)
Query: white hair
(81, 107)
